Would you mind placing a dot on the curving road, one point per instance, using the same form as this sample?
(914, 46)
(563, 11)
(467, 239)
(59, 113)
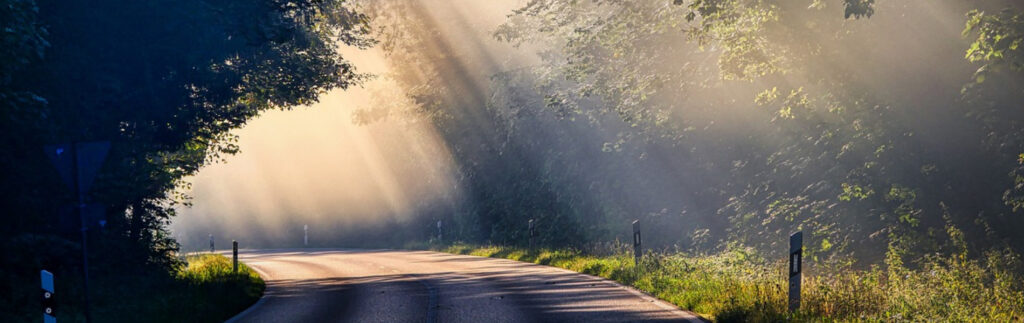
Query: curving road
(328, 285)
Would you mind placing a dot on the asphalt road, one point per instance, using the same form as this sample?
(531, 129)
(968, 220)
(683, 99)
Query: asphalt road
(328, 285)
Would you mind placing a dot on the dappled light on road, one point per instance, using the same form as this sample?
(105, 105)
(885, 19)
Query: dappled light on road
(386, 285)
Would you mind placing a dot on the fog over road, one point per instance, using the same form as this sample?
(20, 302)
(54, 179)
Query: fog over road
(345, 285)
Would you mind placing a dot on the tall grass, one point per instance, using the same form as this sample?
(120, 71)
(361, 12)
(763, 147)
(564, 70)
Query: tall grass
(122, 286)
(202, 289)
(740, 286)
(213, 288)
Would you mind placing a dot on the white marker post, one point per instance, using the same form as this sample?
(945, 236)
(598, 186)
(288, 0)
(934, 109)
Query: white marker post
(49, 316)
(637, 248)
(532, 232)
(796, 255)
(305, 235)
(439, 232)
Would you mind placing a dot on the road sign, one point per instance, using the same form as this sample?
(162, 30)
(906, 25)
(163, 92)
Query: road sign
(93, 214)
(796, 254)
(49, 305)
(90, 156)
(77, 164)
(61, 157)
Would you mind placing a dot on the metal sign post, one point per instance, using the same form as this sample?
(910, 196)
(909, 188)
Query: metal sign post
(796, 248)
(234, 256)
(49, 313)
(637, 251)
(77, 164)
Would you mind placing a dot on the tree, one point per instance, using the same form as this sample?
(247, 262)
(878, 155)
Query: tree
(165, 82)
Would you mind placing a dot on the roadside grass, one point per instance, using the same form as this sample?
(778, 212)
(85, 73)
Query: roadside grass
(196, 288)
(203, 290)
(213, 291)
(739, 286)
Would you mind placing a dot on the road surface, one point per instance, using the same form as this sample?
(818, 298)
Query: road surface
(321, 285)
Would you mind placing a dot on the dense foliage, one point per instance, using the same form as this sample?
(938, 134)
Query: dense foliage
(870, 126)
(164, 82)
(890, 132)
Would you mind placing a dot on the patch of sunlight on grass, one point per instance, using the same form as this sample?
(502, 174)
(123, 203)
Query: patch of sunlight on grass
(739, 286)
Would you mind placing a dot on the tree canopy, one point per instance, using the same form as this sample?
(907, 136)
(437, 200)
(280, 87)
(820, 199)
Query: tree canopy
(734, 122)
(164, 82)
(879, 128)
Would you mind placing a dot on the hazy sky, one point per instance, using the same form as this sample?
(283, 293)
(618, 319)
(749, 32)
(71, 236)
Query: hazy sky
(314, 165)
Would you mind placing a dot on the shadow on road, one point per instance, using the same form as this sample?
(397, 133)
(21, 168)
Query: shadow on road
(469, 289)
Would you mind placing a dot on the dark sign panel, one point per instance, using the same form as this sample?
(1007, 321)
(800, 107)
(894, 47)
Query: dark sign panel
(90, 158)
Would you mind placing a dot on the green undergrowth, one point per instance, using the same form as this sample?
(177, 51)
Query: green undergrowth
(201, 288)
(213, 289)
(740, 286)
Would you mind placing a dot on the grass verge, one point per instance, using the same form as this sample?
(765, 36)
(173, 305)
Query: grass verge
(203, 290)
(125, 284)
(739, 286)
(214, 291)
